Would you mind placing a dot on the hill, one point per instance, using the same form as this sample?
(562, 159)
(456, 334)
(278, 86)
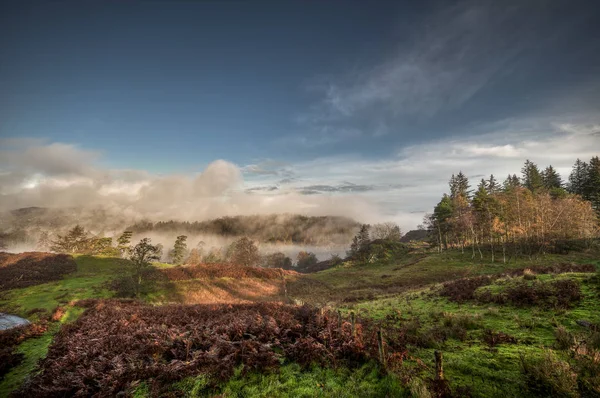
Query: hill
(522, 328)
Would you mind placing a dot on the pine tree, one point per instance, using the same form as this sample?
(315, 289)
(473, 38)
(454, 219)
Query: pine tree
(591, 184)
(577, 178)
(442, 213)
(532, 178)
(459, 186)
(179, 250)
(511, 182)
(551, 178)
(360, 243)
(492, 185)
(123, 242)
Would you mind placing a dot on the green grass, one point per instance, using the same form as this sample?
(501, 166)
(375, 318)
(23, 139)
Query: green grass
(294, 382)
(368, 281)
(486, 371)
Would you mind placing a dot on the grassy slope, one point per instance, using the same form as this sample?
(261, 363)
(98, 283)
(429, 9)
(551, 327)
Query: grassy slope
(376, 290)
(369, 281)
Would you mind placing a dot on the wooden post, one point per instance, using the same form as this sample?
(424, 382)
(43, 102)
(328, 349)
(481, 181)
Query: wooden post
(382, 358)
(340, 321)
(353, 318)
(439, 366)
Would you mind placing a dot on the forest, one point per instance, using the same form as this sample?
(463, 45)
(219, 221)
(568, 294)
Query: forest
(534, 214)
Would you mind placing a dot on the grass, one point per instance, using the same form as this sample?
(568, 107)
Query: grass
(472, 363)
(356, 283)
(294, 382)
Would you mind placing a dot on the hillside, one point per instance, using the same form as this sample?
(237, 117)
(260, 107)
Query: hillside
(492, 322)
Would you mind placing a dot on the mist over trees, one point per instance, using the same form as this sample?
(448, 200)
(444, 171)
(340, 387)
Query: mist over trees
(288, 229)
(524, 216)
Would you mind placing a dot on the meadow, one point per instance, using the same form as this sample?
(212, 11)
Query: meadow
(526, 328)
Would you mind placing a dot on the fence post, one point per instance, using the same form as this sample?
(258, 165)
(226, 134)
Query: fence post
(382, 358)
(439, 366)
(353, 318)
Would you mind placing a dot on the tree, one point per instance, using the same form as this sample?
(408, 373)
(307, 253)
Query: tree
(591, 185)
(532, 178)
(179, 250)
(551, 179)
(459, 186)
(511, 182)
(142, 256)
(244, 252)
(124, 242)
(276, 260)
(102, 246)
(75, 241)
(306, 259)
(388, 230)
(492, 185)
(360, 243)
(440, 219)
(195, 257)
(577, 178)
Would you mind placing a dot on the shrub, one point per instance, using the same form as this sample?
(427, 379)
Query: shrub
(549, 376)
(464, 289)
(492, 338)
(564, 339)
(529, 275)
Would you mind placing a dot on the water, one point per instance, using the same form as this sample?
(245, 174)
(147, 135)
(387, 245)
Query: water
(8, 321)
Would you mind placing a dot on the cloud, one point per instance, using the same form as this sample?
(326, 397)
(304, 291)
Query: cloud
(406, 185)
(60, 175)
(462, 54)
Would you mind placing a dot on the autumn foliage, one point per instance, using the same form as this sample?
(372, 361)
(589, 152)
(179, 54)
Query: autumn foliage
(116, 344)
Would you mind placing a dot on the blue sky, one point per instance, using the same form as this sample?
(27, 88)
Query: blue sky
(313, 94)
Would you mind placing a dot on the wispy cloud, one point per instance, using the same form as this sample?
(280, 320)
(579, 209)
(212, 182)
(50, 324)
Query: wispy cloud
(451, 56)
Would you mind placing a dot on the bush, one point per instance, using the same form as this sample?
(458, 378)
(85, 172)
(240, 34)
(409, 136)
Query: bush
(556, 294)
(564, 339)
(549, 376)
(464, 289)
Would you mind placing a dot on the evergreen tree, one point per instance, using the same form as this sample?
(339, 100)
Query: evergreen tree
(360, 242)
(577, 178)
(492, 185)
(123, 242)
(179, 250)
(511, 182)
(442, 213)
(591, 185)
(75, 241)
(532, 178)
(459, 186)
(551, 178)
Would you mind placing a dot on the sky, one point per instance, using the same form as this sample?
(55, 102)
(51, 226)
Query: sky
(202, 109)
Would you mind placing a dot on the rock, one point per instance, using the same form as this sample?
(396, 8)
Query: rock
(8, 321)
